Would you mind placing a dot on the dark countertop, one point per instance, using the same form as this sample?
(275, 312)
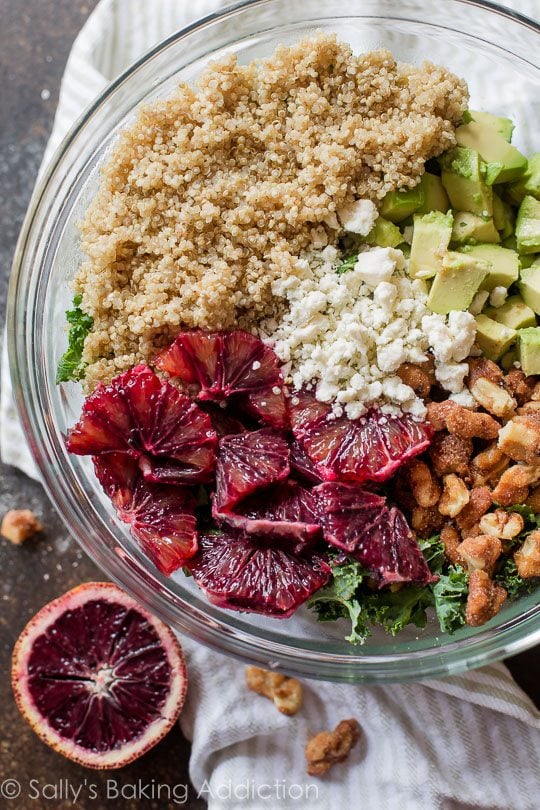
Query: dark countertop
(35, 38)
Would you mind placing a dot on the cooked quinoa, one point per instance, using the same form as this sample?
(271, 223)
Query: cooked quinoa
(215, 192)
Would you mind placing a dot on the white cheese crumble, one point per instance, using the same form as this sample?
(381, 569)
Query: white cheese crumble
(358, 216)
(478, 302)
(346, 335)
(498, 296)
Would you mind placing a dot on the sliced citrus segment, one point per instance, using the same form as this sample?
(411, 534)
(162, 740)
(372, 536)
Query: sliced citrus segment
(98, 678)
(256, 574)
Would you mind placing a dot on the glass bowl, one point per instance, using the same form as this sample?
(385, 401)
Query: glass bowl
(497, 51)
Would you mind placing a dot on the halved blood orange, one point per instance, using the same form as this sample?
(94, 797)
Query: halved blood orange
(98, 678)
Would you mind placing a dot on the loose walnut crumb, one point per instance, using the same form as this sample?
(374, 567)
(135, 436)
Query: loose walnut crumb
(479, 502)
(485, 599)
(19, 524)
(329, 747)
(423, 484)
(527, 558)
(286, 692)
(480, 553)
(455, 496)
(502, 524)
(450, 454)
(520, 439)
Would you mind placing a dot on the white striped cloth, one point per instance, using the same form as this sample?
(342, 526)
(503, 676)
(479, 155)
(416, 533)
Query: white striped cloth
(467, 741)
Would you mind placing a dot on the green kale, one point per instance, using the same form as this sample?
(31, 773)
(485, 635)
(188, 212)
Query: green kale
(507, 576)
(393, 610)
(347, 264)
(71, 366)
(450, 597)
(433, 551)
(338, 600)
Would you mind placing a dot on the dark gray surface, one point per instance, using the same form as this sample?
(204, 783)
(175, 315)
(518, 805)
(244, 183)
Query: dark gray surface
(35, 38)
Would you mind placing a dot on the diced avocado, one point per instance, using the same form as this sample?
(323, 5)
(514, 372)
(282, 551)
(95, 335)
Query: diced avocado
(502, 126)
(384, 234)
(503, 217)
(435, 197)
(528, 226)
(529, 350)
(471, 229)
(528, 184)
(431, 237)
(492, 148)
(493, 338)
(456, 282)
(461, 176)
(529, 285)
(504, 264)
(398, 205)
(514, 313)
(527, 260)
(511, 243)
(405, 249)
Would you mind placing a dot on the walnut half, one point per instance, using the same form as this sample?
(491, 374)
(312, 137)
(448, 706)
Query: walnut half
(19, 524)
(329, 747)
(286, 692)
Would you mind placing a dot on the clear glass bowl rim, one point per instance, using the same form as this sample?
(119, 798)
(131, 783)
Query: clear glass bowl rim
(487, 646)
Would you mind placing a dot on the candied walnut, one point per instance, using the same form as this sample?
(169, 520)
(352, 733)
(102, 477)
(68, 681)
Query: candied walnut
(527, 558)
(519, 386)
(502, 524)
(424, 487)
(493, 398)
(417, 378)
(531, 409)
(479, 502)
(438, 412)
(482, 368)
(450, 540)
(488, 466)
(286, 692)
(480, 553)
(470, 531)
(455, 496)
(450, 454)
(520, 439)
(536, 391)
(329, 747)
(533, 501)
(461, 421)
(485, 599)
(514, 483)
(19, 524)
(426, 521)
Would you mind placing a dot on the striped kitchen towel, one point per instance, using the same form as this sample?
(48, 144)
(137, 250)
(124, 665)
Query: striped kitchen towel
(467, 741)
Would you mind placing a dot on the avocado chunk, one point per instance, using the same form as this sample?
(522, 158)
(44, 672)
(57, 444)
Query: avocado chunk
(504, 264)
(398, 205)
(514, 313)
(471, 229)
(431, 237)
(456, 282)
(384, 234)
(508, 359)
(529, 350)
(502, 126)
(528, 226)
(493, 149)
(503, 217)
(528, 184)
(493, 338)
(529, 285)
(435, 197)
(461, 176)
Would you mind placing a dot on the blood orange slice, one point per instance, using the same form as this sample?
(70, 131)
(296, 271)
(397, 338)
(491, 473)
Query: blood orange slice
(98, 678)
(367, 449)
(225, 365)
(145, 418)
(345, 512)
(247, 462)
(256, 574)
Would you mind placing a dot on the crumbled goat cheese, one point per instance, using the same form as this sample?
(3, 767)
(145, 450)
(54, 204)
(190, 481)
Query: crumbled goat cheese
(498, 296)
(478, 302)
(358, 216)
(465, 398)
(347, 334)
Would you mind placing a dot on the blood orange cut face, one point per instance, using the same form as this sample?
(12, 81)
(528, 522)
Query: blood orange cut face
(229, 364)
(246, 463)
(145, 418)
(346, 512)
(255, 574)
(98, 678)
(286, 510)
(371, 448)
